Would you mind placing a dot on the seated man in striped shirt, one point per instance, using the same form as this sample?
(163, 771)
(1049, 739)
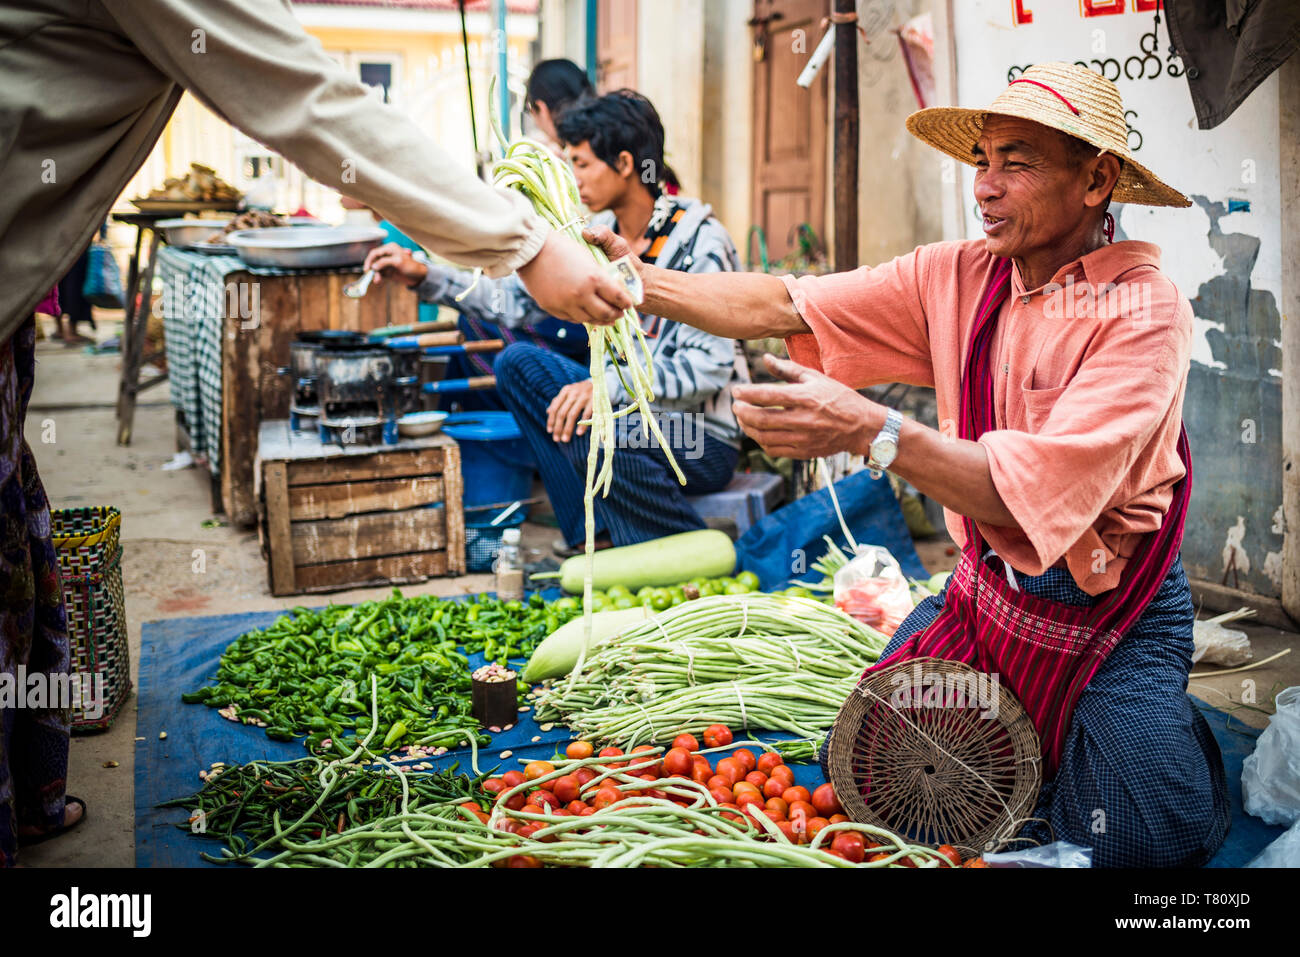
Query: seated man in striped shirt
(616, 144)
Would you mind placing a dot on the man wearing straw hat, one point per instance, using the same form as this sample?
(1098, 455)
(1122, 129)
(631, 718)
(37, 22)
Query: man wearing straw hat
(1059, 361)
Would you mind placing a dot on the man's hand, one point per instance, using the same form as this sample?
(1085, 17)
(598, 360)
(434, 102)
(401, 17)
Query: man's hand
(611, 244)
(810, 417)
(572, 404)
(391, 260)
(565, 281)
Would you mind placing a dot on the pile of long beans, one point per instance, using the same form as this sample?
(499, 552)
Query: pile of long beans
(244, 805)
(302, 674)
(776, 663)
(300, 814)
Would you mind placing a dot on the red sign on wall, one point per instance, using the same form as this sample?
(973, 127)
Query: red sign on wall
(1020, 14)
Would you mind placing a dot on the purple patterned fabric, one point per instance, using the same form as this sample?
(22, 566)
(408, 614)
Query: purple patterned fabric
(33, 622)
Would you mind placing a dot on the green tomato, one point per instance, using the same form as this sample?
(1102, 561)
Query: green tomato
(615, 592)
(566, 605)
(660, 599)
(707, 588)
(736, 588)
(749, 580)
(599, 602)
(624, 601)
(644, 592)
(678, 593)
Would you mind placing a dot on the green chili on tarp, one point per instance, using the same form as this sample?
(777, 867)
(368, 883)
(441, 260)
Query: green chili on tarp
(302, 674)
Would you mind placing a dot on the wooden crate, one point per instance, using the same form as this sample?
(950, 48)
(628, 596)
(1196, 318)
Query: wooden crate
(344, 517)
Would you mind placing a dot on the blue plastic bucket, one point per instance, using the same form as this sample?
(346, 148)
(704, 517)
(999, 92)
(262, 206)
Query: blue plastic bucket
(496, 465)
(483, 539)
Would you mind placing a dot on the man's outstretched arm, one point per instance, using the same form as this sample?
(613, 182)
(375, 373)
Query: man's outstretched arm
(734, 305)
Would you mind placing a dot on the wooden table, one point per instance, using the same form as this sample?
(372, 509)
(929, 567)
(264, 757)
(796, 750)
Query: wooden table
(136, 323)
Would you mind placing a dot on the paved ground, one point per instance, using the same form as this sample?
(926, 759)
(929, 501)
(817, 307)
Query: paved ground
(163, 513)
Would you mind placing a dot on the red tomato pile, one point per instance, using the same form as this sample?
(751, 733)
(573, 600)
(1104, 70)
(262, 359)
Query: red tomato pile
(741, 783)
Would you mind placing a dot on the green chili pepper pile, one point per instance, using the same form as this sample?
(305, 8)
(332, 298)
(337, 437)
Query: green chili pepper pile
(302, 674)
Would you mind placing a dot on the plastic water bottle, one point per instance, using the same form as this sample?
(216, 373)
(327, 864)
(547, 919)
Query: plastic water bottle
(509, 567)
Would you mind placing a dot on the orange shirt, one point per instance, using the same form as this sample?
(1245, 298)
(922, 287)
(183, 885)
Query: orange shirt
(1090, 372)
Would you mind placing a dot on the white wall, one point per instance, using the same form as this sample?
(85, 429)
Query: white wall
(728, 132)
(1205, 162)
(1232, 273)
(670, 71)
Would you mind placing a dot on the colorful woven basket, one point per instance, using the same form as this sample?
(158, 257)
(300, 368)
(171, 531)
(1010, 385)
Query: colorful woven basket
(90, 565)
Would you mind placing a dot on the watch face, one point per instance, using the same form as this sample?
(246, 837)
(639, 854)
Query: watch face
(883, 452)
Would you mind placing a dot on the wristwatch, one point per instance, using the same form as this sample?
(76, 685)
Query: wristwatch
(884, 447)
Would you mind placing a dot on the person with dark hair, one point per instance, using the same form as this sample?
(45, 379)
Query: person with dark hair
(616, 144)
(552, 87)
(642, 111)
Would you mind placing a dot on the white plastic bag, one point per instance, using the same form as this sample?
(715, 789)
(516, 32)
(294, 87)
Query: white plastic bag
(1212, 644)
(1270, 776)
(1284, 852)
(1056, 854)
(873, 589)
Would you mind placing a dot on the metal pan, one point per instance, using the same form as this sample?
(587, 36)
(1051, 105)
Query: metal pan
(306, 247)
(189, 232)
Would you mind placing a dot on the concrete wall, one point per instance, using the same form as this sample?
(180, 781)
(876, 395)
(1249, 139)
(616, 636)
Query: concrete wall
(1225, 254)
(898, 176)
(670, 68)
(1289, 142)
(563, 30)
(728, 130)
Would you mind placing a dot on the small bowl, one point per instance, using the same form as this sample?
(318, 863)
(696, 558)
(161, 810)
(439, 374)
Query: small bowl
(413, 425)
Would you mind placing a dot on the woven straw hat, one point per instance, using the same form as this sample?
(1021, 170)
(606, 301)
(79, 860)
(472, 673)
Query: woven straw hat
(1065, 97)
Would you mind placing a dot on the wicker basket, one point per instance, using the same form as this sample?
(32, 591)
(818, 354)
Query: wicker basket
(90, 566)
(914, 750)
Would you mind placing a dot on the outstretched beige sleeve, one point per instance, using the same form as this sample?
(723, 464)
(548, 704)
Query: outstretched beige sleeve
(252, 63)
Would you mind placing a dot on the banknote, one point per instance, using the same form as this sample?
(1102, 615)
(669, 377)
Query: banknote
(626, 272)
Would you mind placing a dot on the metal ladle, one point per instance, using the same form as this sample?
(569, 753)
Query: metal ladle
(357, 289)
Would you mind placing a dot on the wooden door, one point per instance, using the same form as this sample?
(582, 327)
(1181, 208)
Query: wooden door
(789, 123)
(616, 45)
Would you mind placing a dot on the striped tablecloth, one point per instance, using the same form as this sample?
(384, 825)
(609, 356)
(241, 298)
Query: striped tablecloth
(197, 297)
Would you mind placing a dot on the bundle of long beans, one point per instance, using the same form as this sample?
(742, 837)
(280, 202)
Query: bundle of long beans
(531, 169)
(777, 663)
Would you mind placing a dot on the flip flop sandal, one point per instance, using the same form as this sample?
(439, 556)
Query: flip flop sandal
(57, 831)
(562, 550)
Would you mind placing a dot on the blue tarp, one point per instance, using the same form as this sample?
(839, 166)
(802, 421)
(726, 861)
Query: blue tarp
(181, 654)
(785, 544)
